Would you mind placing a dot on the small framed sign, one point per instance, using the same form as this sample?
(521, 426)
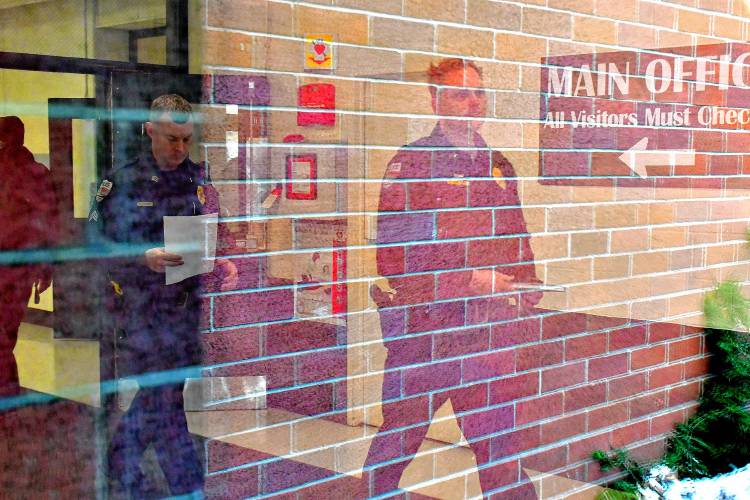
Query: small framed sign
(302, 176)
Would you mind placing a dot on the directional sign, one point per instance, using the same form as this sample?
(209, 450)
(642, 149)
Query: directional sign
(671, 117)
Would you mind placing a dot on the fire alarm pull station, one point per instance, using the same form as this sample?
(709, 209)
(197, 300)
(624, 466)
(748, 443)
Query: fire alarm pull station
(320, 96)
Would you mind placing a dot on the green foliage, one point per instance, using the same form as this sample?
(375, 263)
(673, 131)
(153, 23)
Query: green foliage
(610, 494)
(717, 437)
(635, 473)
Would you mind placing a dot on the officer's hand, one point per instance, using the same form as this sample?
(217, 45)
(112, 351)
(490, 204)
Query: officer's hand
(157, 259)
(229, 282)
(482, 281)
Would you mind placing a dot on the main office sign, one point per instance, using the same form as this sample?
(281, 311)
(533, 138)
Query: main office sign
(678, 117)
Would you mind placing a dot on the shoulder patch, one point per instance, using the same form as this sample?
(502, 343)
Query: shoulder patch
(104, 189)
(94, 215)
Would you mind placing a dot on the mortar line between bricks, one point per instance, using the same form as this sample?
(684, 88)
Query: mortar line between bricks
(542, 121)
(416, 243)
(494, 31)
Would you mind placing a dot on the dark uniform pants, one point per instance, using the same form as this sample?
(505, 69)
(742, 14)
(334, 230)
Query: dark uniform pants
(156, 416)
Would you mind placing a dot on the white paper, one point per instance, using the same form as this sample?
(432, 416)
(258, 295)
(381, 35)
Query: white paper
(194, 239)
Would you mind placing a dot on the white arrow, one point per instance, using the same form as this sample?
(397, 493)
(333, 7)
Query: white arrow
(637, 158)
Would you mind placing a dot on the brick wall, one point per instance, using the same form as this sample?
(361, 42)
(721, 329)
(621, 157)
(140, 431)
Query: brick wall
(614, 360)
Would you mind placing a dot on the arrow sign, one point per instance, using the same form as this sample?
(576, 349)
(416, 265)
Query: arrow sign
(637, 158)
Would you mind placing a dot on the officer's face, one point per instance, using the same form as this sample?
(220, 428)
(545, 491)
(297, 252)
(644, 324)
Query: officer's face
(461, 95)
(170, 141)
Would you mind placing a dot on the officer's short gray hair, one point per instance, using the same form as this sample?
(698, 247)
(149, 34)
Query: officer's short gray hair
(176, 106)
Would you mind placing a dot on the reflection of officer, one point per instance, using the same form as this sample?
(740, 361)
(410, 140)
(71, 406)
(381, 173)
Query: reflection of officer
(29, 212)
(475, 246)
(157, 324)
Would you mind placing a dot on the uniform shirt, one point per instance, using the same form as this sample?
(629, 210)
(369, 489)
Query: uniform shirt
(444, 211)
(158, 323)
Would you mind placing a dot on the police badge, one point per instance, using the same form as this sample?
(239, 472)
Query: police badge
(104, 188)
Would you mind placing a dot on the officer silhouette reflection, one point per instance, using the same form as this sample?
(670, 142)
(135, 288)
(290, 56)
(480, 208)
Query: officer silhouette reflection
(28, 207)
(449, 275)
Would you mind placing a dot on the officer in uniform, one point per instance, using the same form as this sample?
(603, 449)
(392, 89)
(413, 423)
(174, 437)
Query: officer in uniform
(157, 325)
(476, 245)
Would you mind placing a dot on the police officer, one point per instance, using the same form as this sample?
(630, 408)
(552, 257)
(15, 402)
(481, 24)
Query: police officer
(157, 324)
(477, 245)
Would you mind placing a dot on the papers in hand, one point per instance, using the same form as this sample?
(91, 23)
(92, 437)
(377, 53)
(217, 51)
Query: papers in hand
(194, 239)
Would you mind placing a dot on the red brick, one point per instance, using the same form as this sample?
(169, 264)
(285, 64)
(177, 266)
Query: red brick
(647, 356)
(585, 346)
(283, 474)
(321, 365)
(562, 324)
(434, 256)
(502, 474)
(581, 449)
(536, 356)
(494, 251)
(279, 372)
(667, 375)
(569, 374)
(596, 322)
(338, 487)
(299, 336)
(409, 351)
(627, 337)
(312, 400)
(231, 345)
(457, 284)
(460, 342)
(539, 408)
(435, 195)
(650, 403)
(486, 366)
(515, 442)
(697, 368)
(436, 316)
(608, 366)
(649, 452)
(223, 455)
(582, 397)
(547, 460)
(464, 223)
(684, 393)
(409, 411)
(629, 434)
(665, 423)
(516, 332)
(511, 388)
(235, 484)
(414, 289)
(430, 377)
(663, 331)
(490, 310)
(563, 428)
(488, 421)
(255, 307)
(609, 415)
(391, 260)
(684, 348)
(626, 386)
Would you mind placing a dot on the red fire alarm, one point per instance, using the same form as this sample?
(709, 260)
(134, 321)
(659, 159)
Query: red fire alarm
(319, 96)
